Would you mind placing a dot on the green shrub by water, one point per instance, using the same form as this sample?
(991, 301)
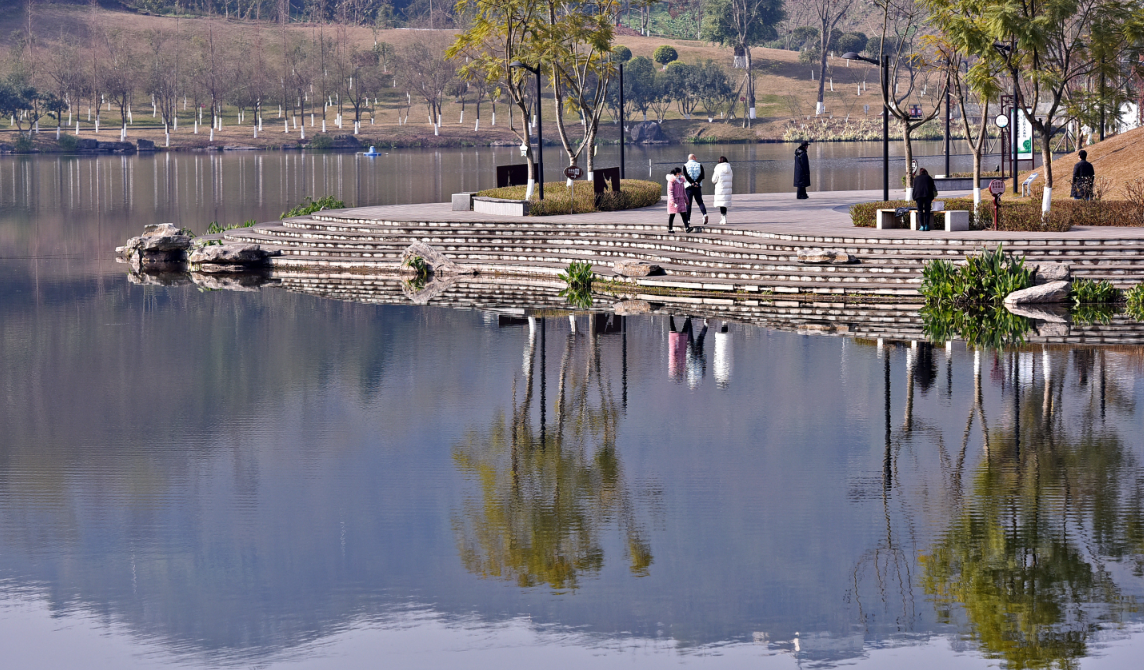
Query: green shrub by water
(309, 206)
(1088, 292)
(633, 193)
(1135, 298)
(984, 279)
(321, 141)
(68, 142)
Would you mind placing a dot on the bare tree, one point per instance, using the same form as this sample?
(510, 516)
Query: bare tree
(425, 71)
(828, 13)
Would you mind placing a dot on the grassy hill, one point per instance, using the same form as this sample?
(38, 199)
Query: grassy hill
(1117, 159)
(787, 92)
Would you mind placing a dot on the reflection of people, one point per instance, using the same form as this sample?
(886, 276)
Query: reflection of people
(924, 193)
(722, 177)
(677, 348)
(801, 170)
(696, 357)
(723, 357)
(1083, 177)
(677, 201)
(693, 174)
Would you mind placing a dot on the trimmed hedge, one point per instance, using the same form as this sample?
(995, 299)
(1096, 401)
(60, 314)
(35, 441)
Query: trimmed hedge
(633, 193)
(1015, 216)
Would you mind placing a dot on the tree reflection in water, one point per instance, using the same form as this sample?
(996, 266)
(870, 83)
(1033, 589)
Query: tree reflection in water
(546, 494)
(1023, 563)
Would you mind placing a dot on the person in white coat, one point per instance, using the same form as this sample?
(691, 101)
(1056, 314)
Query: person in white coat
(721, 178)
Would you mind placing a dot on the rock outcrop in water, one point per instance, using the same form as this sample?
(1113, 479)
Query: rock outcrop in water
(232, 257)
(162, 246)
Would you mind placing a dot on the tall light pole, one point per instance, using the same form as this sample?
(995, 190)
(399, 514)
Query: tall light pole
(622, 124)
(885, 65)
(1006, 52)
(539, 125)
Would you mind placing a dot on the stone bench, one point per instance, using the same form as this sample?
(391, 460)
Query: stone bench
(952, 220)
(500, 206)
(462, 202)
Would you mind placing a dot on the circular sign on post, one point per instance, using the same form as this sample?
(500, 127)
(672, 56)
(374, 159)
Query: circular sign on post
(742, 98)
(996, 187)
(573, 172)
(913, 167)
(1001, 121)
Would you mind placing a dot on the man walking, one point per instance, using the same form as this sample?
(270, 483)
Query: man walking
(801, 170)
(694, 174)
(1083, 177)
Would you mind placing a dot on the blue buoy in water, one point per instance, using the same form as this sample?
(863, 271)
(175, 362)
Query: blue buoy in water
(372, 152)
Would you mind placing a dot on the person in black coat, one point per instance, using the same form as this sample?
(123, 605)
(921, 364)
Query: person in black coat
(1083, 177)
(801, 170)
(924, 193)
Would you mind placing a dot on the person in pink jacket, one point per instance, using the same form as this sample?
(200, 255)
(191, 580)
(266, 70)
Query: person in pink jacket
(677, 200)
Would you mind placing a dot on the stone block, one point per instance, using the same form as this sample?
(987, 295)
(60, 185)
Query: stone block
(956, 220)
(629, 268)
(823, 256)
(500, 206)
(886, 219)
(144, 145)
(1050, 272)
(1057, 291)
(462, 202)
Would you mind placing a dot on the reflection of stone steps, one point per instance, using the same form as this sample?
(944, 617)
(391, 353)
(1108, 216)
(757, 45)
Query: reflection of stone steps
(898, 320)
(720, 258)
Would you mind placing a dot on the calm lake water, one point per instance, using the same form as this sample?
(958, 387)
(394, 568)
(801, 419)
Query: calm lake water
(273, 479)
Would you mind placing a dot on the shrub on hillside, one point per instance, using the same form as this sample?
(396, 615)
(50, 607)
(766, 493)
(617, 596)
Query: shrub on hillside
(665, 54)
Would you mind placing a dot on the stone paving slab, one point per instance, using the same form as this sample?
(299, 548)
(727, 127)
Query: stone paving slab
(824, 215)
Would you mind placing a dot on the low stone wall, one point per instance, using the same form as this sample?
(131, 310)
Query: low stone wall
(500, 206)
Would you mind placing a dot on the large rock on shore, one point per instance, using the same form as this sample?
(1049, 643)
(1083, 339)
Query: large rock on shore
(648, 132)
(631, 268)
(1043, 273)
(230, 254)
(161, 246)
(1052, 292)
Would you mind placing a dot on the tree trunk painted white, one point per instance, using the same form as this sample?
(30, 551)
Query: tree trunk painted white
(323, 125)
(477, 127)
(212, 135)
(528, 190)
(976, 196)
(462, 117)
(494, 121)
(1047, 200)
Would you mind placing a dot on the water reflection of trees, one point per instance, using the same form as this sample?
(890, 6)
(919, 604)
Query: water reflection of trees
(547, 490)
(1023, 559)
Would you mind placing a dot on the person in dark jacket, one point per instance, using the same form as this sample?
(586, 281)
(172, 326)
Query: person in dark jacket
(801, 170)
(924, 193)
(1083, 177)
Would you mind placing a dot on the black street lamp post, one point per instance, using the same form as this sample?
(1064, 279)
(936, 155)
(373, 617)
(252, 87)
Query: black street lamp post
(1006, 52)
(621, 120)
(539, 125)
(885, 64)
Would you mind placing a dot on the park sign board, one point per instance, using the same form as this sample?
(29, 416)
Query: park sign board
(996, 187)
(573, 172)
(1024, 138)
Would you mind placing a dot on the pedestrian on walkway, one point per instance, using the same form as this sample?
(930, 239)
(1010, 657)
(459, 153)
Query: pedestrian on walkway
(801, 170)
(722, 177)
(693, 173)
(924, 193)
(1083, 177)
(677, 201)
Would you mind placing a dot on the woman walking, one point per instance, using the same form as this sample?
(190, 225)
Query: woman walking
(677, 201)
(801, 170)
(722, 177)
(924, 193)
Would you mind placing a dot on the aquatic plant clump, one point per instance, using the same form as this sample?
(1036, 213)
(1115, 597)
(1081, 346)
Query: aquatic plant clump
(1088, 292)
(1135, 299)
(309, 206)
(578, 276)
(984, 279)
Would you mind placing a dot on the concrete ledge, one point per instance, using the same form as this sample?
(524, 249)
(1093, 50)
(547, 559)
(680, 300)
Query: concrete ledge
(462, 202)
(500, 206)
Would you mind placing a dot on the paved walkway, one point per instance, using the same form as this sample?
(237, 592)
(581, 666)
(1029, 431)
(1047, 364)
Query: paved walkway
(824, 214)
